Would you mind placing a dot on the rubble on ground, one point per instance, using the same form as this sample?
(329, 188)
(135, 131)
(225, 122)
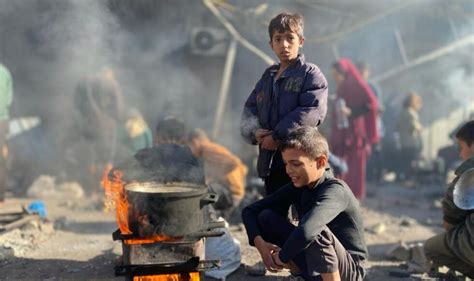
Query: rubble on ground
(45, 187)
(18, 242)
(399, 252)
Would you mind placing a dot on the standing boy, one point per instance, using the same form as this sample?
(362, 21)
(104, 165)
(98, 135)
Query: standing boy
(454, 248)
(329, 239)
(291, 93)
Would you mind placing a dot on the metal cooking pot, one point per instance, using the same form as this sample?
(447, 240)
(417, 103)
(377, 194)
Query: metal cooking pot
(172, 209)
(463, 193)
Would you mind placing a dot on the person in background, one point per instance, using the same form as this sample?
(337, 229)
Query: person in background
(409, 130)
(225, 172)
(354, 126)
(171, 160)
(133, 132)
(290, 93)
(168, 160)
(328, 243)
(107, 131)
(338, 165)
(375, 161)
(454, 248)
(6, 99)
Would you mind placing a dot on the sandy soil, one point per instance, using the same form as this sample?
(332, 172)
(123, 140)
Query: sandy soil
(77, 244)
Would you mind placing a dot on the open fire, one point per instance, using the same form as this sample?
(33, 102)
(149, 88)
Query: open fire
(116, 197)
(156, 256)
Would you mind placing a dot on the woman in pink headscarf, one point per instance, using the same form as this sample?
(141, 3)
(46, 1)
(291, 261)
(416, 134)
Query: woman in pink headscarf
(353, 129)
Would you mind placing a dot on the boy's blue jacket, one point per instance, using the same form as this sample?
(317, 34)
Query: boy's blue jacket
(297, 98)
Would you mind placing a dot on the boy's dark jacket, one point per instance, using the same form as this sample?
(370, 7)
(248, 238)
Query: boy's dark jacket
(329, 203)
(300, 100)
(460, 238)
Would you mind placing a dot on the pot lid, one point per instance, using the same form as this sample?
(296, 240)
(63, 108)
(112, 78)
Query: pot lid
(172, 189)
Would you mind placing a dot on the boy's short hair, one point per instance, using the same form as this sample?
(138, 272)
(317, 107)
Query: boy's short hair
(466, 133)
(286, 22)
(307, 139)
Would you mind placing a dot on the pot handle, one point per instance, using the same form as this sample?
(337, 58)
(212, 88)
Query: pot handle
(209, 198)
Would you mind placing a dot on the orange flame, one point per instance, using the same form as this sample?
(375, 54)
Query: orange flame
(192, 276)
(116, 197)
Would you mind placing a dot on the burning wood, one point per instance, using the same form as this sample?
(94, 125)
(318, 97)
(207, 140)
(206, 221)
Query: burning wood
(192, 276)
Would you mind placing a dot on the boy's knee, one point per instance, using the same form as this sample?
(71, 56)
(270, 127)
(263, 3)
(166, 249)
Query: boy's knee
(325, 238)
(434, 246)
(322, 253)
(266, 217)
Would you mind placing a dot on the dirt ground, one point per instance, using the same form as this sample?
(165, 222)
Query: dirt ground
(76, 243)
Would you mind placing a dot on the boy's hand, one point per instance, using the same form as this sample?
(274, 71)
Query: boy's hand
(447, 226)
(266, 251)
(269, 143)
(278, 262)
(260, 134)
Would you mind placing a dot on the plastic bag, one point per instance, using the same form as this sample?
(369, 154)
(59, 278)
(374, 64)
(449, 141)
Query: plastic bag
(225, 248)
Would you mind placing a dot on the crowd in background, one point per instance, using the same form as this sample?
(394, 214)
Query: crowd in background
(107, 129)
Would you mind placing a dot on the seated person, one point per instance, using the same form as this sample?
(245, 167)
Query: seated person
(224, 171)
(328, 242)
(454, 248)
(167, 159)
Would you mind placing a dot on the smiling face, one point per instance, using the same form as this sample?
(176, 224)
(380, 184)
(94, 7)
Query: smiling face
(302, 169)
(286, 45)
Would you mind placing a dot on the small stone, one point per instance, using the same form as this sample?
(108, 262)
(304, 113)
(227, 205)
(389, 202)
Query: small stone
(257, 269)
(6, 253)
(31, 226)
(399, 252)
(407, 222)
(379, 228)
(47, 227)
(61, 223)
(426, 277)
(437, 204)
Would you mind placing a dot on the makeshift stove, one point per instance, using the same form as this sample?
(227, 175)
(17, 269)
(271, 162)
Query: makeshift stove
(181, 259)
(162, 228)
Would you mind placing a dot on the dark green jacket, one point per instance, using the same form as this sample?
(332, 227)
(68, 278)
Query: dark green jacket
(460, 238)
(452, 214)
